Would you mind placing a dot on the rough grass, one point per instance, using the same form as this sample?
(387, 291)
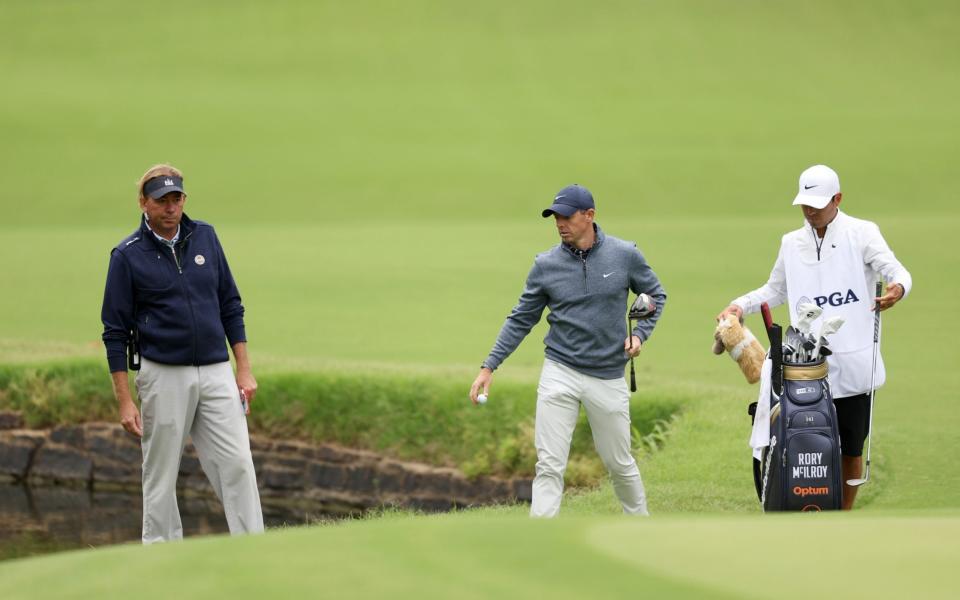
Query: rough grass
(412, 417)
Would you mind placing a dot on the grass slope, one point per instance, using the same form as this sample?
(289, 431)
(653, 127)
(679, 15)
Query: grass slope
(423, 418)
(477, 556)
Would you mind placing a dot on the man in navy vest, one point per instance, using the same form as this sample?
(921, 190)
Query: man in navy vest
(170, 299)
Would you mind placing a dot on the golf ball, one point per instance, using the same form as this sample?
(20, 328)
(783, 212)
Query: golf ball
(482, 399)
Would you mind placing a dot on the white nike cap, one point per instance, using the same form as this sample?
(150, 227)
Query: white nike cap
(818, 185)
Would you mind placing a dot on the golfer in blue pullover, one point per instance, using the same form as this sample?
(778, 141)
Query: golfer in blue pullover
(171, 299)
(585, 281)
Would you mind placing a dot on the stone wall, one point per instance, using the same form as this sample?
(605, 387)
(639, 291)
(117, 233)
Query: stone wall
(322, 477)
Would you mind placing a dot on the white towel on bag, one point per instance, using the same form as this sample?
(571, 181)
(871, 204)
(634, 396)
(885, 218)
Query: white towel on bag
(760, 435)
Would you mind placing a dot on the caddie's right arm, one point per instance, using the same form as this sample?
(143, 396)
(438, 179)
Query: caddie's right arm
(880, 257)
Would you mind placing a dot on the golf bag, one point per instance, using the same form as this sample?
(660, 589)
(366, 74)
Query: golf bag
(800, 469)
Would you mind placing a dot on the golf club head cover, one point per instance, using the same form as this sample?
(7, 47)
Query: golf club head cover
(742, 346)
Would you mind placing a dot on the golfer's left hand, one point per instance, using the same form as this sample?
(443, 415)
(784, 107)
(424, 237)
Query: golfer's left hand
(893, 295)
(632, 346)
(248, 385)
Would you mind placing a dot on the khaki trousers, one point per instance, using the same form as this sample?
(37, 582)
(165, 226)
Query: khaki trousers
(204, 403)
(607, 403)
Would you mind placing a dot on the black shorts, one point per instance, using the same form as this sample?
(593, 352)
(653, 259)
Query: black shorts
(853, 420)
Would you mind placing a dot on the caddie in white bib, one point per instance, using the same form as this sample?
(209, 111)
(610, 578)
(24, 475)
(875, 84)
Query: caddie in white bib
(837, 285)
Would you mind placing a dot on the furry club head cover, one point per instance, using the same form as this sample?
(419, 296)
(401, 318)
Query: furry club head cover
(741, 345)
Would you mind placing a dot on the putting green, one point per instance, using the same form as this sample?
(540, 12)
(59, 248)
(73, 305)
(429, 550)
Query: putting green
(796, 555)
(487, 556)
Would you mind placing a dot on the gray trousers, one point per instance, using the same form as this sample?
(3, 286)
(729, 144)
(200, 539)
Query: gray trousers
(607, 403)
(204, 403)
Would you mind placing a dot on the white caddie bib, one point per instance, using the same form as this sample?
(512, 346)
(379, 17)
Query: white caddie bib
(838, 286)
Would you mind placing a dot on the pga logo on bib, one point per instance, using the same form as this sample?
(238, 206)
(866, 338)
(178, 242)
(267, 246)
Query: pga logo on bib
(836, 298)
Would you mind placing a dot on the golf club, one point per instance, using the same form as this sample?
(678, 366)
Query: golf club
(775, 335)
(793, 341)
(642, 308)
(873, 392)
(788, 352)
(808, 346)
(827, 327)
(807, 313)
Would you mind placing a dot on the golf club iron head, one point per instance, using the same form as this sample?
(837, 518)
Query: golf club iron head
(791, 336)
(856, 482)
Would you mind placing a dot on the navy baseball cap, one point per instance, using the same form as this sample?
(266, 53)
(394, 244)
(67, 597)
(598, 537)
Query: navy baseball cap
(569, 200)
(158, 187)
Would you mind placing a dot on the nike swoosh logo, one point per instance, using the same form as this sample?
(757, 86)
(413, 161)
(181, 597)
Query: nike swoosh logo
(559, 198)
(807, 187)
(605, 275)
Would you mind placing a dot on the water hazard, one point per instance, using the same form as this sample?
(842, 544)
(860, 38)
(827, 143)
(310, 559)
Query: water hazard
(39, 520)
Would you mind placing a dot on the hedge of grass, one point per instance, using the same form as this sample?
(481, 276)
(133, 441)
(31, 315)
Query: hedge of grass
(419, 418)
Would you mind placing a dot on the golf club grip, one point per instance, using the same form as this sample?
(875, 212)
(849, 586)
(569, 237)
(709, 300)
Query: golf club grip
(767, 316)
(876, 316)
(768, 322)
(776, 356)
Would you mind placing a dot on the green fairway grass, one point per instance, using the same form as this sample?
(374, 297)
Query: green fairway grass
(375, 171)
(475, 556)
